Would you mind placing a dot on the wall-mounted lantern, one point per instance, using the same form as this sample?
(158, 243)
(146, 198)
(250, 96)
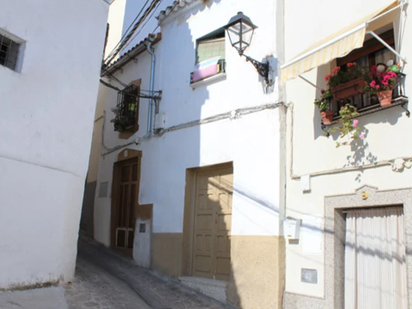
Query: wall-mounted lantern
(240, 31)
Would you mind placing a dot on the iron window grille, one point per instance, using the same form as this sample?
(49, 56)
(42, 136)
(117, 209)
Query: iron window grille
(127, 110)
(9, 51)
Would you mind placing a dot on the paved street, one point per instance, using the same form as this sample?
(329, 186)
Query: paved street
(107, 280)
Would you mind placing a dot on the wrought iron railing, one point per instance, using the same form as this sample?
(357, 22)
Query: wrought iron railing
(367, 102)
(127, 108)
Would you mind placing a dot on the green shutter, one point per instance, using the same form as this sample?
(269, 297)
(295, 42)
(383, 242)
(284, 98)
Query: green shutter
(210, 48)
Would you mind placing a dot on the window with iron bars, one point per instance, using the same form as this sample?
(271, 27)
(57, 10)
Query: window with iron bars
(127, 110)
(9, 51)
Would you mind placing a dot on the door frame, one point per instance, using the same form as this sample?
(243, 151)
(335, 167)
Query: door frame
(124, 155)
(334, 252)
(189, 213)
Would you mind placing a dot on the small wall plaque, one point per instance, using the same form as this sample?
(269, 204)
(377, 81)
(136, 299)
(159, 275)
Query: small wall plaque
(142, 228)
(309, 275)
(104, 186)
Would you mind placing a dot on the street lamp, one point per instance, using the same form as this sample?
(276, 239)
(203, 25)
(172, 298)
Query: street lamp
(240, 30)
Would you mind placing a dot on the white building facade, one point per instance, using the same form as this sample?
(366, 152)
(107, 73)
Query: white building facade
(49, 69)
(195, 190)
(355, 200)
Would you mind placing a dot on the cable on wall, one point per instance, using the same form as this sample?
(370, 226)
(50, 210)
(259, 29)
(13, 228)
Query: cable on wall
(233, 115)
(127, 30)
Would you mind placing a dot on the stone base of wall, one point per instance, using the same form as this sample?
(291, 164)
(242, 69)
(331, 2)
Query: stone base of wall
(258, 268)
(167, 253)
(258, 272)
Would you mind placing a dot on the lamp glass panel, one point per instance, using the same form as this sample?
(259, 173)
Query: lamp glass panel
(234, 35)
(247, 36)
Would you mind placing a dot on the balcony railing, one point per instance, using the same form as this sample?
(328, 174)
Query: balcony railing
(369, 103)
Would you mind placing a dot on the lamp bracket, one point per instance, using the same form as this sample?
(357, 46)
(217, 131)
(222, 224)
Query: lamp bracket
(262, 68)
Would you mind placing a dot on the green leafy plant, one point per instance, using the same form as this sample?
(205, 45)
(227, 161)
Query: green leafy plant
(339, 76)
(324, 102)
(348, 126)
(124, 119)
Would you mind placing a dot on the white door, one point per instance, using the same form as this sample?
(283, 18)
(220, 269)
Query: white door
(375, 259)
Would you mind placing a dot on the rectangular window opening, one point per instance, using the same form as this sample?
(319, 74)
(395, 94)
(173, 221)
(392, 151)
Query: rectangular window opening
(373, 52)
(9, 52)
(127, 110)
(210, 56)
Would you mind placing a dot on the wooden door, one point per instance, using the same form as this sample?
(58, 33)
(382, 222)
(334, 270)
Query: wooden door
(126, 182)
(213, 223)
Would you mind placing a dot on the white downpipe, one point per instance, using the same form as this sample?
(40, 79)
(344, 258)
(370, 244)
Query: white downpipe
(152, 73)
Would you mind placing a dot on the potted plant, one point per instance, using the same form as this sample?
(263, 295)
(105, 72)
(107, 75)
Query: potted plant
(124, 120)
(346, 84)
(381, 82)
(348, 126)
(324, 106)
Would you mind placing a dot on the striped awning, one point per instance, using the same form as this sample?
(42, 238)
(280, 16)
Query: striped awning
(337, 45)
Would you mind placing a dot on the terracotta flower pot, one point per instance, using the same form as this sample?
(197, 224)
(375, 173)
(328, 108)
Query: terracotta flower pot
(385, 97)
(349, 89)
(327, 117)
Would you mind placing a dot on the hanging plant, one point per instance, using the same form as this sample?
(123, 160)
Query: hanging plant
(348, 126)
(124, 120)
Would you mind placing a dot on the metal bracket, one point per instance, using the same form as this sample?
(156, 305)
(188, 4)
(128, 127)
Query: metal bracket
(408, 113)
(386, 45)
(309, 82)
(262, 68)
(323, 127)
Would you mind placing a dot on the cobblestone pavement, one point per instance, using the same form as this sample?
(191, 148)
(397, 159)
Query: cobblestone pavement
(107, 280)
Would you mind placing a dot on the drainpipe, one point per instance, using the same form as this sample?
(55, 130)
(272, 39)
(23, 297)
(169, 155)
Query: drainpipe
(152, 72)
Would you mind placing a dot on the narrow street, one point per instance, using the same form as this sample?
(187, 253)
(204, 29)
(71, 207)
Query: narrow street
(107, 280)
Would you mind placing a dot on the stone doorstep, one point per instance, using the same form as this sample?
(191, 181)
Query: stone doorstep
(215, 289)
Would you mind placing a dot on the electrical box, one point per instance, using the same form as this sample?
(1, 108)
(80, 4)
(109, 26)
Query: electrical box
(305, 183)
(291, 228)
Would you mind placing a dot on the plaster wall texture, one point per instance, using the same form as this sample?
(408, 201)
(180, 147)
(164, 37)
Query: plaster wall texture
(46, 126)
(251, 142)
(309, 152)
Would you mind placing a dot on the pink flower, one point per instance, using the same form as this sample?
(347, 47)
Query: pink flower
(327, 77)
(372, 84)
(355, 123)
(335, 70)
(362, 136)
(378, 87)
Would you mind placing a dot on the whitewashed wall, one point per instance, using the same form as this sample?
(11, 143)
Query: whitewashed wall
(251, 142)
(46, 129)
(387, 137)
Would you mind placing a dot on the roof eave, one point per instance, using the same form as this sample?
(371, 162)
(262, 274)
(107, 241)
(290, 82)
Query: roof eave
(132, 53)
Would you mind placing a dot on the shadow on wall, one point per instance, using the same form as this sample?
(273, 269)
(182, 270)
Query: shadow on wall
(255, 275)
(177, 150)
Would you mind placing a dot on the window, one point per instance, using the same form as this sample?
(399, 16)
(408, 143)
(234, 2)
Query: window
(372, 53)
(127, 110)
(211, 46)
(9, 51)
(210, 56)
